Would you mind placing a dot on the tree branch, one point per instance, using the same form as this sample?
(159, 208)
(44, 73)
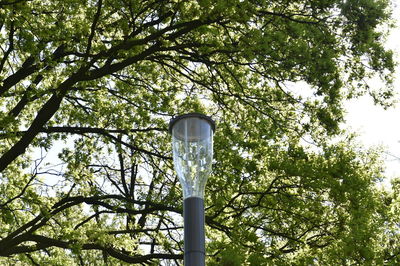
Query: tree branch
(45, 242)
(10, 46)
(93, 27)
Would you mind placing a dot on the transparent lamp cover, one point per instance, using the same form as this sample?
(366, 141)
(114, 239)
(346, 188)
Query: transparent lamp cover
(192, 144)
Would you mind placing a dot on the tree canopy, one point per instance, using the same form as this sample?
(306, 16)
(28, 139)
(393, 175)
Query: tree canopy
(87, 89)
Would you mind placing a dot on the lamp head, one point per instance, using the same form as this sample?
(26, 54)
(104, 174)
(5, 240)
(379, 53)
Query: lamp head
(192, 147)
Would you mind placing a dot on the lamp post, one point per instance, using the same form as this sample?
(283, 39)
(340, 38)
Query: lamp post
(192, 147)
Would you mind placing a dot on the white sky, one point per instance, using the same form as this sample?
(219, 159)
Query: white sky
(376, 126)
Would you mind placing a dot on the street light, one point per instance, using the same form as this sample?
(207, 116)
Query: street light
(192, 147)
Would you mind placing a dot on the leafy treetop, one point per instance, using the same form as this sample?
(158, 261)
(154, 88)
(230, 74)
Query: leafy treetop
(96, 82)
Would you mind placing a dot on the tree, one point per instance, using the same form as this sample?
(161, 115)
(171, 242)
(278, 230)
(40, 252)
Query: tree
(96, 82)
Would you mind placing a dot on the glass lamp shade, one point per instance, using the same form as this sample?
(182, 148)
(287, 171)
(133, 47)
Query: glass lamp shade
(192, 147)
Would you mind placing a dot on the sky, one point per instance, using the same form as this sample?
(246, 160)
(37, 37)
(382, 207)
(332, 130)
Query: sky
(376, 126)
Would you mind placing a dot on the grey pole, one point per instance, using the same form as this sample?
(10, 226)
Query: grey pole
(193, 212)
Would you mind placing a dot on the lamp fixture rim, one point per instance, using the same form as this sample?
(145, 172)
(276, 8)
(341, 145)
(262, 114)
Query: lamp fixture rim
(198, 115)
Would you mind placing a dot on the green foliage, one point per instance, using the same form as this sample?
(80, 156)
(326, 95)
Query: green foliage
(87, 89)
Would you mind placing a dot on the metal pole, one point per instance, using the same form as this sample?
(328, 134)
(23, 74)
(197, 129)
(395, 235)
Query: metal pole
(193, 213)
